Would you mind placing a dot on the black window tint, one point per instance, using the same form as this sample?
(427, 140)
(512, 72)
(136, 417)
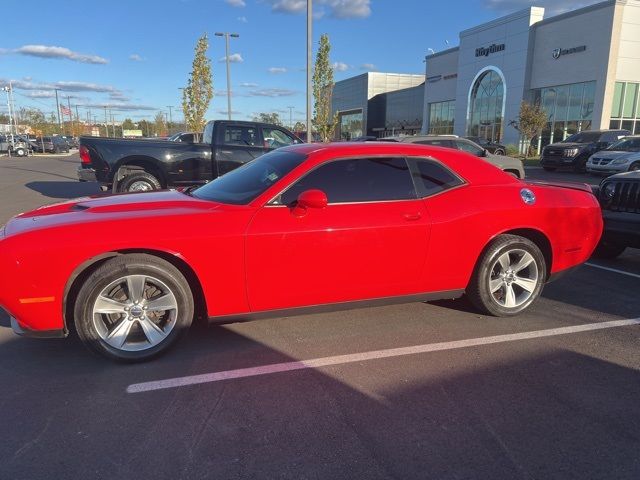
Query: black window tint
(357, 180)
(431, 177)
(240, 136)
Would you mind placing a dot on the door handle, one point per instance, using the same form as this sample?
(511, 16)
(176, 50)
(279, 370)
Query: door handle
(412, 216)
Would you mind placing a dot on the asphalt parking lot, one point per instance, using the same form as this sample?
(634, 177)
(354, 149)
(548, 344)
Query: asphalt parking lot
(424, 390)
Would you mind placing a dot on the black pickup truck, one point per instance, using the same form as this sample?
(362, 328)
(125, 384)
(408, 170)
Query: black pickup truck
(140, 165)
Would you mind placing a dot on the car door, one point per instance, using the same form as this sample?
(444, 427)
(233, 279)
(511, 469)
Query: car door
(237, 145)
(370, 241)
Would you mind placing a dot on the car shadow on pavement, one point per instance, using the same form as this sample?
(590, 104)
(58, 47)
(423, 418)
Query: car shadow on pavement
(500, 412)
(65, 189)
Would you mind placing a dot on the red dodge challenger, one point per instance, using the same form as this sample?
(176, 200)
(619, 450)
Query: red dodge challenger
(303, 226)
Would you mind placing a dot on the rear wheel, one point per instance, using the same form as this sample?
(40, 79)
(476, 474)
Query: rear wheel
(139, 182)
(20, 152)
(509, 276)
(133, 307)
(498, 151)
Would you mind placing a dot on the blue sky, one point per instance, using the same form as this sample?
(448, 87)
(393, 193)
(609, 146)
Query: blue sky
(134, 55)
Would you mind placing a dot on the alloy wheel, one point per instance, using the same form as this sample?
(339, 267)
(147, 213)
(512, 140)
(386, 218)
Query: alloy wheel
(513, 279)
(135, 313)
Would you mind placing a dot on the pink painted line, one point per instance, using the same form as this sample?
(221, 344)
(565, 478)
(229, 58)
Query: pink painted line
(371, 355)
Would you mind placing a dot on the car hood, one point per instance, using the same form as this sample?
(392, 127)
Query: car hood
(108, 207)
(616, 154)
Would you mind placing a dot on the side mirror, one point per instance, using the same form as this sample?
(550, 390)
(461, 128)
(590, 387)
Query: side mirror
(309, 199)
(484, 152)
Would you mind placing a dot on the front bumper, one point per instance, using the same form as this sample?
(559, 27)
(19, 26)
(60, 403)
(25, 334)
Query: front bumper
(622, 227)
(86, 174)
(558, 162)
(606, 168)
(25, 332)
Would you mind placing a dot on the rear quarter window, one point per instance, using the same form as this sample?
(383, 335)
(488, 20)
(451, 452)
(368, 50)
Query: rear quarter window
(431, 177)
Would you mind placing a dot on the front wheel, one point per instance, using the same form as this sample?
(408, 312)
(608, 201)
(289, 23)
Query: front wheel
(634, 167)
(20, 152)
(133, 307)
(498, 151)
(508, 277)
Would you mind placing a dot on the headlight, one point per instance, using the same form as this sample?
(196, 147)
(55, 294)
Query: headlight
(620, 161)
(608, 191)
(570, 152)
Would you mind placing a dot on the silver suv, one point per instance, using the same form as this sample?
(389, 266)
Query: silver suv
(508, 164)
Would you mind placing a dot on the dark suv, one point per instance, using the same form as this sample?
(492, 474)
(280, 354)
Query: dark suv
(574, 151)
(55, 144)
(619, 197)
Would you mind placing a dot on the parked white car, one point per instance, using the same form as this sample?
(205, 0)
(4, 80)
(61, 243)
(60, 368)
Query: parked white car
(622, 156)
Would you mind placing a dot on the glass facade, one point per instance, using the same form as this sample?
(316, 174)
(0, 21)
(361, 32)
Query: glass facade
(441, 117)
(351, 125)
(569, 109)
(625, 111)
(485, 113)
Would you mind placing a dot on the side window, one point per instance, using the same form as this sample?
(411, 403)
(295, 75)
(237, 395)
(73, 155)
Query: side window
(276, 138)
(436, 143)
(238, 135)
(468, 147)
(207, 135)
(357, 180)
(432, 177)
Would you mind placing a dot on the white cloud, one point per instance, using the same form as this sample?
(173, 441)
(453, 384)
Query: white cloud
(47, 51)
(135, 57)
(337, 8)
(368, 66)
(233, 58)
(248, 84)
(277, 70)
(552, 7)
(340, 67)
(243, 19)
(224, 112)
(272, 92)
(236, 3)
(125, 107)
(65, 86)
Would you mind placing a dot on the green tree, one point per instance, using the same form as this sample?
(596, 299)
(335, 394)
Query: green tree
(299, 127)
(4, 118)
(531, 121)
(322, 121)
(160, 127)
(199, 90)
(128, 124)
(268, 118)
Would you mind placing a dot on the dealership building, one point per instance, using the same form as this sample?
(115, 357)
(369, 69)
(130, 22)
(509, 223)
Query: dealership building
(582, 67)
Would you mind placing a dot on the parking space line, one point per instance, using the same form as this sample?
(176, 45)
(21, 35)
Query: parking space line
(609, 269)
(371, 355)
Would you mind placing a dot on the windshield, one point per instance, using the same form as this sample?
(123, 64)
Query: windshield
(582, 137)
(244, 184)
(626, 145)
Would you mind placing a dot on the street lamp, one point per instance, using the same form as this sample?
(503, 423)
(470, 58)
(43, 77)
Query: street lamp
(226, 36)
(309, 55)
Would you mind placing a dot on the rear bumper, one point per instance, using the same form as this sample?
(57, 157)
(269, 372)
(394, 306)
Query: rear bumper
(86, 174)
(25, 332)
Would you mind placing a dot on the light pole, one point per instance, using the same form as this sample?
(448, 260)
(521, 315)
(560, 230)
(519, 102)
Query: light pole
(58, 110)
(8, 90)
(226, 36)
(291, 117)
(170, 118)
(309, 55)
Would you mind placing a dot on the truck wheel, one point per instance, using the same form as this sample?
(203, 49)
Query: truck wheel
(608, 250)
(133, 307)
(139, 182)
(20, 152)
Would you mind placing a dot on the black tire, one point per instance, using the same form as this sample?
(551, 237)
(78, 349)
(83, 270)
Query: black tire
(634, 167)
(20, 152)
(498, 151)
(479, 291)
(139, 182)
(118, 268)
(581, 165)
(608, 250)
(549, 169)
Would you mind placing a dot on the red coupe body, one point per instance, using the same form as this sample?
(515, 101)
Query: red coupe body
(263, 256)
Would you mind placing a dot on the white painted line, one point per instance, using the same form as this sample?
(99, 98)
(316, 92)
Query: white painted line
(608, 269)
(372, 355)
